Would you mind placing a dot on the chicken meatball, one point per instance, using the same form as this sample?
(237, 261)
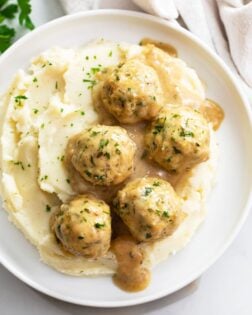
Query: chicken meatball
(132, 92)
(149, 207)
(103, 155)
(178, 139)
(84, 226)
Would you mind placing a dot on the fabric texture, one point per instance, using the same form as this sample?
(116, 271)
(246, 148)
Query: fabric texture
(224, 25)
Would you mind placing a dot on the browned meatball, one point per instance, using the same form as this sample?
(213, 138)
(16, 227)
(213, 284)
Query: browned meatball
(149, 207)
(132, 92)
(178, 139)
(83, 226)
(103, 155)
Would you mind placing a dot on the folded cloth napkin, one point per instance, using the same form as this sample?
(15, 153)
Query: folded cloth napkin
(224, 25)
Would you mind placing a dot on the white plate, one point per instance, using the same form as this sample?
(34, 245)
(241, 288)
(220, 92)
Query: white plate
(228, 204)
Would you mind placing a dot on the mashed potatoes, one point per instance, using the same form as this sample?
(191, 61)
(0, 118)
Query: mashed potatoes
(48, 104)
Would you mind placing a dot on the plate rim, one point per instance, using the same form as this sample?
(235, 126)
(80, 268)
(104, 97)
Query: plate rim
(248, 204)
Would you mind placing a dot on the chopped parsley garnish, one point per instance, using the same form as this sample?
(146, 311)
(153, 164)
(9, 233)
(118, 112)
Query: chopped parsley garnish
(82, 113)
(165, 214)
(99, 225)
(48, 208)
(175, 116)
(176, 150)
(99, 177)
(45, 177)
(68, 180)
(186, 133)
(148, 235)
(94, 133)
(169, 159)
(19, 98)
(156, 184)
(110, 54)
(88, 173)
(19, 163)
(147, 191)
(35, 111)
(103, 143)
(157, 129)
(35, 80)
(94, 70)
(107, 155)
(92, 83)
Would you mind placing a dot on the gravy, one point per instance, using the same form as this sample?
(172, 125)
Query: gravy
(131, 275)
(164, 46)
(212, 112)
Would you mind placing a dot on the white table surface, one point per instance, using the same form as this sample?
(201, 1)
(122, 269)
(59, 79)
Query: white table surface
(224, 289)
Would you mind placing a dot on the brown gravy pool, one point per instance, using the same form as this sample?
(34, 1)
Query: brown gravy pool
(164, 46)
(131, 275)
(212, 112)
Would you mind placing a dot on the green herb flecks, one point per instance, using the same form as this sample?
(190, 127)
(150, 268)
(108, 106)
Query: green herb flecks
(92, 83)
(19, 99)
(94, 133)
(165, 214)
(157, 129)
(19, 163)
(99, 225)
(48, 208)
(148, 235)
(45, 177)
(186, 133)
(147, 191)
(103, 143)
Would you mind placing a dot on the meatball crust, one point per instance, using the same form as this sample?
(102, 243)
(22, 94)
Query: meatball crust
(84, 226)
(178, 139)
(103, 155)
(149, 207)
(132, 92)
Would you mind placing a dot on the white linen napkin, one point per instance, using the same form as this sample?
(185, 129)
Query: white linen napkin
(224, 25)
